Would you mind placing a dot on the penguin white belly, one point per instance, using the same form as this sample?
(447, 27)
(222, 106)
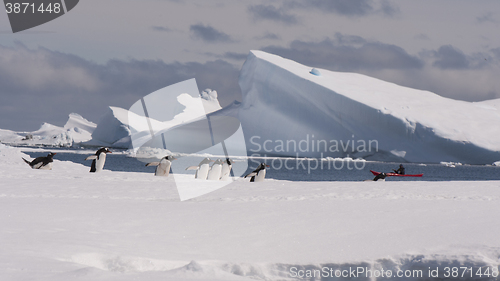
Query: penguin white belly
(46, 167)
(163, 169)
(226, 170)
(215, 172)
(260, 176)
(99, 162)
(202, 172)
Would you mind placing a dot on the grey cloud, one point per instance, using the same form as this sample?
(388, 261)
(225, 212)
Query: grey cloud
(389, 8)
(346, 7)
(268, 12)
(268, 36)
(209, 34)
(421, 36)
(235, 56)
(161, 28)
(448, 57)
(348, 53)
(496, 53)
(487, 17)
(55, 84)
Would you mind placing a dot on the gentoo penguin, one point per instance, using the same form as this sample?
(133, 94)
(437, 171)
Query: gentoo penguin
(380, 177)
(215, 170)
(162, 167)
(226, 169)
(98, 159)
(258, 174)
(201, 169)
(42, 163)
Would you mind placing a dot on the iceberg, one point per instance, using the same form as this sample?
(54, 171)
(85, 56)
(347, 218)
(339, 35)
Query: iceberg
(121, 128)
(290, 110)
(76, 130)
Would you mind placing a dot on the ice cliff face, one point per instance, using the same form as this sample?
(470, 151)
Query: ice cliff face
(289, 111)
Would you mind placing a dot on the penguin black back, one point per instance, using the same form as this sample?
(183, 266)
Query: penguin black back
(41, 162)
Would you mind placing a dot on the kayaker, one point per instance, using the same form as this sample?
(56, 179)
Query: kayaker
(401, 170)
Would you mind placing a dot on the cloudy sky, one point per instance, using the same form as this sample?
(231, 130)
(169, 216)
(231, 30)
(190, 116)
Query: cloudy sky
(112, 52)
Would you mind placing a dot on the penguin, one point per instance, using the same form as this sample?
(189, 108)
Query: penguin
(201, 169)
(42, 163)
(226, 169)
(258, 174)
(380, 177)
(215, 171)
(98, 159)
(163, 167)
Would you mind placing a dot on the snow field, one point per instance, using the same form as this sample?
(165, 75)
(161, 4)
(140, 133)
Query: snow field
(68, 224)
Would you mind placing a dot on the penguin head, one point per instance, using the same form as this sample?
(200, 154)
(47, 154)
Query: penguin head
(103, 150)
(50, 155)
(170, 158)
(263, 166)
(229, 161)
(218, 161)
(206, 161)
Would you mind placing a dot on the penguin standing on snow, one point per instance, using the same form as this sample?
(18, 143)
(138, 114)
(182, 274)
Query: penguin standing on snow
(215, 171)
(163, 167)
(98, 160)
(226, 169)
(42, 163)
(201, 169)
(258, 174)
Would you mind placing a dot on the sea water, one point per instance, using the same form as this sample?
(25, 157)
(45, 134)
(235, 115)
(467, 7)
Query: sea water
(300, 169)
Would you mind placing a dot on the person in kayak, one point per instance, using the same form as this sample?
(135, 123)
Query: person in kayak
(401, 170)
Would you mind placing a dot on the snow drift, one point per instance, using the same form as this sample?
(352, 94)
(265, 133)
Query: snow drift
(338, 114)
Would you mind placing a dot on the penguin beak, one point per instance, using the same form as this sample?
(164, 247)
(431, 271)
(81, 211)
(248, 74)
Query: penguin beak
(267, 166)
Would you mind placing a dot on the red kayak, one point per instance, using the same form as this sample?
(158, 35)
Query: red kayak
(396, 175)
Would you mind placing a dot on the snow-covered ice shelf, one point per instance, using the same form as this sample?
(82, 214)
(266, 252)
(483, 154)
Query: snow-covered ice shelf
(68, 224)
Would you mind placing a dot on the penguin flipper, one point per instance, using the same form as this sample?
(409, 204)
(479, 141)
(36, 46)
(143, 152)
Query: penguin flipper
(252, 179)
(153, 164)
(37, 165)
(27, 162)
(91, 157)
(192, 168)
(252, 174)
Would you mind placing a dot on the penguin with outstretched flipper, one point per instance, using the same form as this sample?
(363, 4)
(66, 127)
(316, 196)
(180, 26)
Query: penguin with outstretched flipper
(202, 169)
(258, 174)
(162, 167)
(42, 162)
(98, 159)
